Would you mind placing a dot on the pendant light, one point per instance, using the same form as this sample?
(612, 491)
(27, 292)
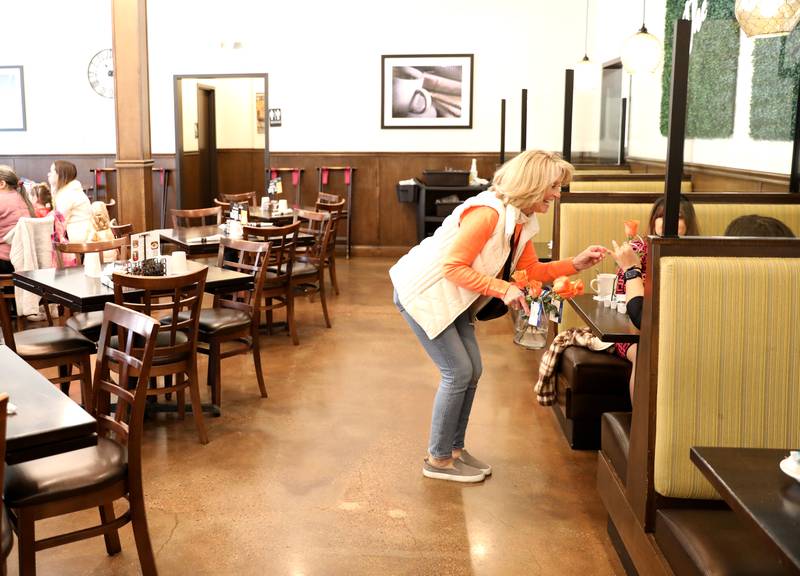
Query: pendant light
(587, 73)
(642, 52)
(767, 18)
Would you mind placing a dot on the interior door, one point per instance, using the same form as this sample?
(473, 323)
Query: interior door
(206, 146)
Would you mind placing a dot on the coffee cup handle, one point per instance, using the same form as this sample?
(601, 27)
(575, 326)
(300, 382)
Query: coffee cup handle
(426, 96)
(594, 288)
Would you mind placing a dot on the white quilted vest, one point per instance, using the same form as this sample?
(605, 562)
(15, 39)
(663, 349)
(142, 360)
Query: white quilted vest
(433, 301)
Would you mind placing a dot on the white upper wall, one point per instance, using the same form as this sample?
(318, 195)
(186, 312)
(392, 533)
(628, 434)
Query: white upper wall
(323, 60)
(619, 19)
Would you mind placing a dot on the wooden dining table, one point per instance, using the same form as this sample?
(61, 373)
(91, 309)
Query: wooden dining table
(72, 288)
(605, 323)
(752, 483)
(46, 421)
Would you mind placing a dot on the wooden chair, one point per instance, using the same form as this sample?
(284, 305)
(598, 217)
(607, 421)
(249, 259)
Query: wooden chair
(249, 197)
(235, 317)
(187, 218)
(278, 292)
(176, 346)
(224, 205)
(308, 269)
(325, 198)
(121, 230)
(6, 531)
(89, 323)
(118, 248)
(97, 476)
(49, 347)
(337, 212)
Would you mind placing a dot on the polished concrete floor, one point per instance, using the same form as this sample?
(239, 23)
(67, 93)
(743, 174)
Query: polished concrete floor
(323, 477)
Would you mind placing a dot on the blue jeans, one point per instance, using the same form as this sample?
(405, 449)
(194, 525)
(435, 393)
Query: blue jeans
(455, 353)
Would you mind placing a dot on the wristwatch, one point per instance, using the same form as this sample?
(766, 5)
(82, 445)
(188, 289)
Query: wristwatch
(632, 272)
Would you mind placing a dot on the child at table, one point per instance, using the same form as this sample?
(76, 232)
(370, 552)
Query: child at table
(44, 199)
(101, 229)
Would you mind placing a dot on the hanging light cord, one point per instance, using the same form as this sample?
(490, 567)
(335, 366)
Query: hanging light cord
(586, 33)
(644, 11)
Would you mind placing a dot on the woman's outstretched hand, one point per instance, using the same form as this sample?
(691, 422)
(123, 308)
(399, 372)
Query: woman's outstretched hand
(625, 256)
(515, 299)
(589, 257)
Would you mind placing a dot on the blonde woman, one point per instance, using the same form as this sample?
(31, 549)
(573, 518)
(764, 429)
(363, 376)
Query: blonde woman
(70, 200)
(444, 281)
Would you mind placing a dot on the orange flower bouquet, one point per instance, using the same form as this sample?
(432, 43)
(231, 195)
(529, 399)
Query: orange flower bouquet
(547, 301)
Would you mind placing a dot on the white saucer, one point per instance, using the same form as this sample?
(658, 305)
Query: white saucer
(791, 467)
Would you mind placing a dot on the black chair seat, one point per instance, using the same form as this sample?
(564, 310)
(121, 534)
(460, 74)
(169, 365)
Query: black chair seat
(713, 542)
(6, 538)
(215, 320)
(615, 434)
(43, 343)
(65, 475)
(298, 269)
(87, 323)
(162, 341)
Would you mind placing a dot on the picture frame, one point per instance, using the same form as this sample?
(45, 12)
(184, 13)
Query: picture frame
(12, 99)
(426, 90)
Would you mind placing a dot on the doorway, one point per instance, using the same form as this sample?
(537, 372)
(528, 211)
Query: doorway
(611, 114)
(206, 147)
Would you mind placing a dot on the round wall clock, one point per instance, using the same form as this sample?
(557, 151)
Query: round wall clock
(101, 73)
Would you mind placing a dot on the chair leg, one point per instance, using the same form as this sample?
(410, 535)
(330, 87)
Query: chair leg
(217, 389)
(332, 273)
(26, 542)
(322, 297)
(268, 304)
(290, 317)
(257, 360)
(180, 397)
(197, 408)
(112, 536)
(86, 381)
(142, 535)
(65, 371)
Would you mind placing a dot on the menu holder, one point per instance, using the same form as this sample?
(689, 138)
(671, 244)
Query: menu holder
(145, 246)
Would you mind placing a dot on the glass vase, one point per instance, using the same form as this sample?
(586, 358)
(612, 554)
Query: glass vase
(530, 336)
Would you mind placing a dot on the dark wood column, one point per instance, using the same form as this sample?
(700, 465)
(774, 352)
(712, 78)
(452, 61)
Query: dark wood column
(132, 94)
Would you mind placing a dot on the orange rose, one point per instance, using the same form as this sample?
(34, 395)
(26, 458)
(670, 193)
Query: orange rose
(579, 288)
(631, 228)
(520, 278)
(560, 284)
(535, 289)
(566, 289)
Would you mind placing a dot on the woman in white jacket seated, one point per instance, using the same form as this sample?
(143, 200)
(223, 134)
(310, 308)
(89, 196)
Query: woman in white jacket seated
(70, 200)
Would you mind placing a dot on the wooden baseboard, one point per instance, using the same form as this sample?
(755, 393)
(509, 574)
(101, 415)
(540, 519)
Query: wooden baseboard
(375, 251)
(640, 546)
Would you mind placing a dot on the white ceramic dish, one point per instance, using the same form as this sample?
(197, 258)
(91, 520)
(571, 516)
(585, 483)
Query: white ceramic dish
(791, 467)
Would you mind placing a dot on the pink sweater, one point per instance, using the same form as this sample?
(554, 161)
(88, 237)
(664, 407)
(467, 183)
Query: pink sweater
(12, 208)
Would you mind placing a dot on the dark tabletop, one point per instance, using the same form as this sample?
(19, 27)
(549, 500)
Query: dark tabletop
(605, 323)
(256, 213)
(753, 485)
(81, 293)
(195, 239)
(47, 421)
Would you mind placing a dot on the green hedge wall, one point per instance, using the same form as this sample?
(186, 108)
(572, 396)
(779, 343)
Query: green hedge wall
(775, 79)
(713, 68)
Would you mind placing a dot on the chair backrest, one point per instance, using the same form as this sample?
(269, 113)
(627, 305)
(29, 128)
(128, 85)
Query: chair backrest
(224, 205)
(121, 230)
(723, 373)
(6, 281)
(335, 209)
(166, 296)
(327, 198)
(624, 186)
(130, 359)
(319, 225)
(249, 197)
(196, 217)
(246, 257)
(118, 247)
(283, 243)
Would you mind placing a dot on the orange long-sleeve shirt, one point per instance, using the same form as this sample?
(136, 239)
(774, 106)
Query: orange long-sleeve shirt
(476, 227)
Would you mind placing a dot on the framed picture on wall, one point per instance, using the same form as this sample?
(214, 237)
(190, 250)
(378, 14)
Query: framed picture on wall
(260, 113)
(12, 98)
(426, 91)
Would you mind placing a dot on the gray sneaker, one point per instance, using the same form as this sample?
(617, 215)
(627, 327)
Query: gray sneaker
(473, 462)
(460, 472)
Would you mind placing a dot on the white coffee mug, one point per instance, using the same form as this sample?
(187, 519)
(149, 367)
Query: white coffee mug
(408, 95)
(178, 263)
(91, 265)
(283, 206)
(604, 285)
